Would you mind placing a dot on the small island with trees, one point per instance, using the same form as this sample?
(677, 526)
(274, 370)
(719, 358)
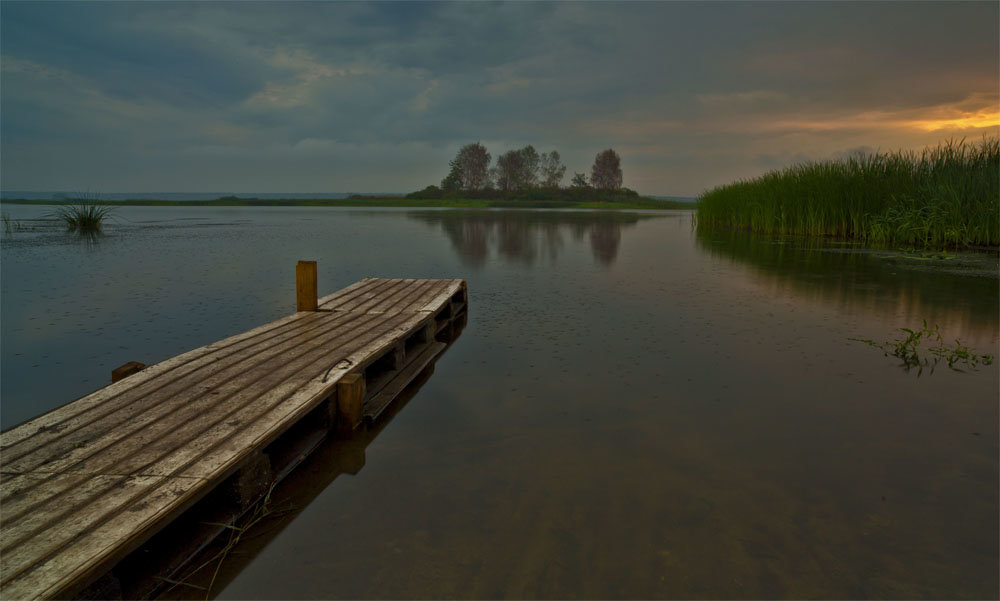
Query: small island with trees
(526, 179)
(526, 175)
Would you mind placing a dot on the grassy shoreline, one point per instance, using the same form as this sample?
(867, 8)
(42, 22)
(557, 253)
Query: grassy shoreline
(946, 197)
(641, 203)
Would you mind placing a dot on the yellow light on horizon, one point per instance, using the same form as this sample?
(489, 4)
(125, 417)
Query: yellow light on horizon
(942, 117)
(978, 119)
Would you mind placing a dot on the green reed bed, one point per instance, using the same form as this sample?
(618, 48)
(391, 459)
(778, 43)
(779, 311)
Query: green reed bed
(947, 196)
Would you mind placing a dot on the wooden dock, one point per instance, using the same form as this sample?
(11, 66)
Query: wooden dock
(84, 485)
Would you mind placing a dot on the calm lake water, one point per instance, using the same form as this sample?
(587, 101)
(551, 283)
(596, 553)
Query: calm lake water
(633, 410)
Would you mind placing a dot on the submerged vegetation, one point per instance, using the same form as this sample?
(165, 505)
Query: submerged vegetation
(260, 510)
(84, 218)
(12, 225)
(908, 350)
(947, 196)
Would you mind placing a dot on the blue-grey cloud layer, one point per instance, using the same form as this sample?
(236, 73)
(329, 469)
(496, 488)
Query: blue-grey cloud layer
(350, 96)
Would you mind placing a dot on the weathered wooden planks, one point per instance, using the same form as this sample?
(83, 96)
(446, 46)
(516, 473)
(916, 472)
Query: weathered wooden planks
(84, 484)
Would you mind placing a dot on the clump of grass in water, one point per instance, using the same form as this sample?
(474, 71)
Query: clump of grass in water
(947, 196)
(908, 350)
(84, 218)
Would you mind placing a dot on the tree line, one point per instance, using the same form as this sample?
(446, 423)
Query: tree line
(526, 174)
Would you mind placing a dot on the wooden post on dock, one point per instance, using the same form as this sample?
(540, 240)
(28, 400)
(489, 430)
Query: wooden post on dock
(126, 370)
(305, 286)
(396, 356)
(350, 401)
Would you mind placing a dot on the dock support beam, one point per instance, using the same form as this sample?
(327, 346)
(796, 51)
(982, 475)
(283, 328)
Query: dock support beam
(106, 588)
(396, 357)
(306, 296)
(251, 480)
(350, 401)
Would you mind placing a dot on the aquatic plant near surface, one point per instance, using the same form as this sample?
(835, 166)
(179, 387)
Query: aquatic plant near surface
(908, 349)
(84, 218)
(12, 225)
(260, 510)
(948, 196)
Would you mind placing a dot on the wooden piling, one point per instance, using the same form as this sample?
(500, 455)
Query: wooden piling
(350, 401)
(396, 356)
(126, 370)
(305, 286)
(250, 481)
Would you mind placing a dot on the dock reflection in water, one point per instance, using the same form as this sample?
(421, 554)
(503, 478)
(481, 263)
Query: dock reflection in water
(336, 456)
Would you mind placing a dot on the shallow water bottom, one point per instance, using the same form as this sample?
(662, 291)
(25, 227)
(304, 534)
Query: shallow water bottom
(633, 411)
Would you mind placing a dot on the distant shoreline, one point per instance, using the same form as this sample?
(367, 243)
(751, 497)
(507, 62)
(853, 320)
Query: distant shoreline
(372, 201)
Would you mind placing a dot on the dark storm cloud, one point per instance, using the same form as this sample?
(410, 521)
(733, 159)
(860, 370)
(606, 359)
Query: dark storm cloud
(325, 96)
(109, 44)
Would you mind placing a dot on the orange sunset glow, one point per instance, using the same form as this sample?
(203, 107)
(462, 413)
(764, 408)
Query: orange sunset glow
(979, 119)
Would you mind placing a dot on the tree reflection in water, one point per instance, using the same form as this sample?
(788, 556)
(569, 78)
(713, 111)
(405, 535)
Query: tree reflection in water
(604, 241)
(524, 236)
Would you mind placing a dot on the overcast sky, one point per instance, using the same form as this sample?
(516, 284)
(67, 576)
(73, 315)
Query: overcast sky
(310, 97)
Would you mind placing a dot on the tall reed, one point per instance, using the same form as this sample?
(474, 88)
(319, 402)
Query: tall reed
(947, 196)
(84, 218)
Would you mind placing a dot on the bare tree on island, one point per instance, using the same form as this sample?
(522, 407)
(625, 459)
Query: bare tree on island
(470, 169)
(606, 174)
(517, 170)
(552, 169)
(507, 172)
(531, 164)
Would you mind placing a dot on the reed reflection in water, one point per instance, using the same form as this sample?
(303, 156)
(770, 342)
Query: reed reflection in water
(957, 292)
